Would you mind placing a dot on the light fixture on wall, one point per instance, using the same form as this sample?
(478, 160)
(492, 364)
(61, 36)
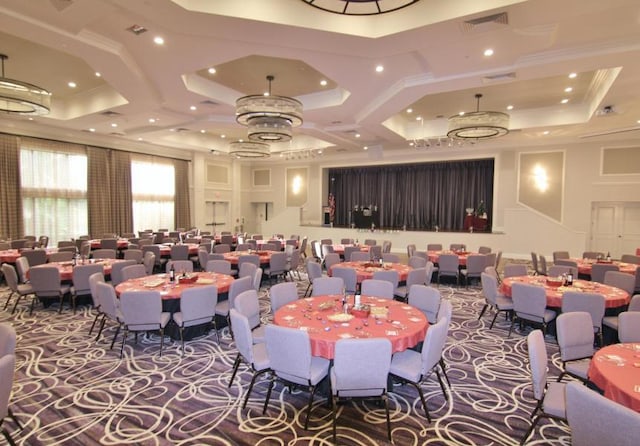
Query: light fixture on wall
(249, 149)
(478, 124)
(21, 97)
(269, 118)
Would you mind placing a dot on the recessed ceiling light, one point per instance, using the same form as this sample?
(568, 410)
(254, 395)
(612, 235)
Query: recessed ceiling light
(92, 130)
(72, 84)
(379, 69)
(193, 108)
(320, 152)
(638, 121)
(509, 107)
(573, 75)
(113, 124)
(409, 110)
(152, 120)
(30, 118)
(564, 101)
(140, 138)
(202, 131)
(98, 74)
(488, 52)
(357, 135)
(365, 148)
(223, 136)
(568, 89)
(461, 114)
(418, 118)
(212, 70)
(323, 83)
(546, 132)
(158, 40)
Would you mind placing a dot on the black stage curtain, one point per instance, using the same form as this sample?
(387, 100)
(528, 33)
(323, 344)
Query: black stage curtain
(414, 196)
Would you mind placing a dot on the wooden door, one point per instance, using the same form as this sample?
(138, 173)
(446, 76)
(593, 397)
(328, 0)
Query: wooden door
(615, 227)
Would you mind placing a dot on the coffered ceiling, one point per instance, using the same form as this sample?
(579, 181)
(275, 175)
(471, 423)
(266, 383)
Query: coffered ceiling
(180, 95)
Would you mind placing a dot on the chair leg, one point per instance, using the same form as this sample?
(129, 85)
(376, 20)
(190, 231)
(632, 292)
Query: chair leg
(443, 366)
(533, 425)
(182, 339)
(334, 409)
(15, 420)
(124, 337)
(104, 320)
(424, 403)
(311, 393)
(94, 322)
(513, 321)
(7, 435)
(385, 399)
(494, 319)
(236, 364)
(482, 311)
(253, 380)
(266, 400)
(6, 304)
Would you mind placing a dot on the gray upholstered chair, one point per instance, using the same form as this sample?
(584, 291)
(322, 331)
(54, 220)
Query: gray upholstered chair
(35, 256)
(448, 266)
(281, 294)
(475, 266)
(377, 288)
(197, 307)
(598, 271)
(142, 311)
(248, 304)
(94, 279)
(18, 289)
(360, 371)
(530, 304)
(426, 299)
(575, 339)
(237, 287)
(45, 281)
(629, 326)
(592, 303)
(314, 271)
(133, 272)
(417, 276)
(348, 276)
(219, 266)
(620, 280)
(116, 271)
(80, 277)
(289, 352)
(417, 262)
(514, 270)
(104, 254)
(110, 309)
(493, 299)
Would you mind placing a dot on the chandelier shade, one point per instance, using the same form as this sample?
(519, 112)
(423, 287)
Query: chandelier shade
(478, 124)
(268, 117)
(249, 149)
(22, 97)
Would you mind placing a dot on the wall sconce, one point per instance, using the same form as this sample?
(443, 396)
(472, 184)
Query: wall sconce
(540, 178)
(296, 185)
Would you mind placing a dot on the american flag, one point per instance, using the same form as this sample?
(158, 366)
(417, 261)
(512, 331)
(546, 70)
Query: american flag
(332, 207)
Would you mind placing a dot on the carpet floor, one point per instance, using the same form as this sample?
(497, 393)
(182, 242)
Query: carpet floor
(71, 390)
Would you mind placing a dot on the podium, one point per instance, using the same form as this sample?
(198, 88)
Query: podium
(478, 223)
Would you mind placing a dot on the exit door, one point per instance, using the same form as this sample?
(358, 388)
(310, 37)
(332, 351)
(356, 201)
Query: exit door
(615, 227)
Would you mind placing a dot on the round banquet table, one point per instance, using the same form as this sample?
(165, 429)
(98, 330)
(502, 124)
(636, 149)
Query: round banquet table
(365, 270)
(339, 249)
(405, 326)
(66, 268)
(434, 256)
(165, 250)
(265, 256)
(613, 297)
(615, 369)
(9, 255)
(174, 290)
(97, 243)
(585, 265)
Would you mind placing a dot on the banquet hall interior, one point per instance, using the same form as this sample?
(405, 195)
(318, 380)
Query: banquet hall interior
(476, 127)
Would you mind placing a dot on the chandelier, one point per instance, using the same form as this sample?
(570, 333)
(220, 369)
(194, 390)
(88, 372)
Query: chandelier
(269, 118)
(478, 124)
(359, 7)
(249, 149)
(21, 97)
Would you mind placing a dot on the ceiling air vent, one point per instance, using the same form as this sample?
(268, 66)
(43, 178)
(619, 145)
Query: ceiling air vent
(210, 103)
(182, 130)
(137, 29)
(110, 114)
(499, 77)
(485, 23)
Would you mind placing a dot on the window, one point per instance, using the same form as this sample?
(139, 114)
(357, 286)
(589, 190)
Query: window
(54, 193)
(153, 190)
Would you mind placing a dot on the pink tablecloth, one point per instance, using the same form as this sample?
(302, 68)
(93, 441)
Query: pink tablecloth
(615, 369)
(585, 265)
(233, 256)
(96, 243)
(165, 250)
(66, 268)
(404, 325)
(365, 270)
(434, 256)
(174, 290)
(614, 297)
(339, 249)
(9, 255)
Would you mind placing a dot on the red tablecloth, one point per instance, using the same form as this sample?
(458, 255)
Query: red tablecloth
(66, 268)
(585, 265)
(615, 369)
(265, 256)
(9, 255)
(614, 297)
(165, 250)
(174, 290)
(365, 270)
(404, 325)
(462, 256)
(339, 249)
(96, 243)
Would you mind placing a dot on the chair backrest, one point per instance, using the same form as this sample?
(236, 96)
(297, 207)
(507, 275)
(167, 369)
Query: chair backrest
(476, 263)
(133, 272)
(251, 258)
(222, 248)
(430, 268)
(94, 279)
(458, 247)
(238, 286)
(35, 256)
(7, 370)
(349, 277)
(629, 326)
(277, 263)
(634, 304)
(149, 261)
(445, 311)
(7, 339)
(375, 252)
(327, 285)
(597, 420)
(62, 256)
(370, 242)
(386, 246)
(534, 261)
(256, 278)
(133, 254)
(392, 276)
(592, 303)
(289, 352)
(575, 335)
(116, 271)
(242, 334)
(359, 256)
(434, 247)
(417, 276)
(80, 277)
(630, 258)
(592, 255)
(109, 243)
(22, 267)
(180, 252)
(542, 265)
(559, 270)
(326, 249)
(411, 249)
(348, 254)
(198, 304)
(108, 301)
(377, 288)
(489, 287)
(361, 367)
(417, 262)
(219, 266)
(10, 276)
(537, 362)
(248, 304)
(45, 281)
(104, 254)
(180, 266)
(246, 269)
(620, 280)
(433, 345)
(484, 250)
(448, 263)
(389, 257)
(560, 255)
(426, 299)
(141, 310)
(314, 269)
(514, 269)
(529, 301)
(281, 294)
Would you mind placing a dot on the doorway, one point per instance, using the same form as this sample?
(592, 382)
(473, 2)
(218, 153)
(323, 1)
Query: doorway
(217, 216)
(615, 227)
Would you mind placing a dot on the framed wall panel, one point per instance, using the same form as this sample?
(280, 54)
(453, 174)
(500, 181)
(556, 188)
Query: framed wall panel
(541, 182)
(296, 190)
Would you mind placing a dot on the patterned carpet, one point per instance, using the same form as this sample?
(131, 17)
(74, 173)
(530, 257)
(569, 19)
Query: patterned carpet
(70, 390)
